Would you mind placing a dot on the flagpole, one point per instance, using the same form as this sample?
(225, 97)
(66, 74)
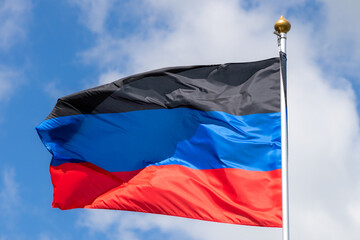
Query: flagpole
(282, 26)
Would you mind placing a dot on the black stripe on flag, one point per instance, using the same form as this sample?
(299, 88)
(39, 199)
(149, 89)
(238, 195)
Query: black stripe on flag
(234, 88)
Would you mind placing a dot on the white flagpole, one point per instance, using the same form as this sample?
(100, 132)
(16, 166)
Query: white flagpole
(282, 26)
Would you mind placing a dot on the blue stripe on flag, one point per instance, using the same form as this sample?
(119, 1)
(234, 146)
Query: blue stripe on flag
(133, 140)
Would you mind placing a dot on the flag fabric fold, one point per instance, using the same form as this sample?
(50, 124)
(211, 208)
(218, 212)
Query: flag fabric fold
(200, 142)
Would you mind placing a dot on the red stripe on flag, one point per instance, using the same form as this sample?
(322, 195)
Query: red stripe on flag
(226, 195)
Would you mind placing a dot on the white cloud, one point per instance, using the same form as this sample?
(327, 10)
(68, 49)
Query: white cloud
(323, 123)
(13, 17)
(354, 207)
(339, 40)
(46, 236)
(5, 85)
(9, 79)
(128, 225)
(324, 133)
(110, 76)
(95, 13)
(9, 195)
(54, 91)
(213, 37)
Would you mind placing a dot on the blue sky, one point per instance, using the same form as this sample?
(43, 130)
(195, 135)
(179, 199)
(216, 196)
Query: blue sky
(52, 48)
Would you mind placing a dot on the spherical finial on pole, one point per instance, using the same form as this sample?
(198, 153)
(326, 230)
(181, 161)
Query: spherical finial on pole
(282, 25)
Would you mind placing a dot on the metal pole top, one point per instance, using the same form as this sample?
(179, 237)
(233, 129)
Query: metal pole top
(282, 25)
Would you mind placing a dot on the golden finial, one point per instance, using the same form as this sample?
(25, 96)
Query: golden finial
(282, 25)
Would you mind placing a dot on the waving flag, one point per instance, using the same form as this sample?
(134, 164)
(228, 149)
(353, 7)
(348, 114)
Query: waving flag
(200, 142)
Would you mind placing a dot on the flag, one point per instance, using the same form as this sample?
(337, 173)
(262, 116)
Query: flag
(200, 142)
